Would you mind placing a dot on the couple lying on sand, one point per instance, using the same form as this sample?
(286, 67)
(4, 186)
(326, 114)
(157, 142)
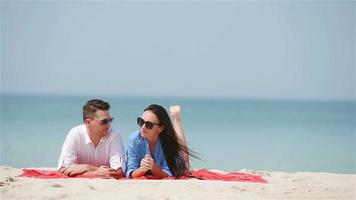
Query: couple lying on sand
(157, 149)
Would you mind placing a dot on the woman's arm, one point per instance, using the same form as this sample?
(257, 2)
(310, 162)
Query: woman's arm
(177, 125)
(138, 172)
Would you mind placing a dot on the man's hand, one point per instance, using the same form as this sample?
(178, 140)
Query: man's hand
(117, 174)
(75, 169)
(105, 171)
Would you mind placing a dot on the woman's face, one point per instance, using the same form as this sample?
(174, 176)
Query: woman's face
(149, 116)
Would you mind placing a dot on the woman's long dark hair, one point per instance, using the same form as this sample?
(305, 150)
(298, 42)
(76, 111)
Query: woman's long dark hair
(173, 148)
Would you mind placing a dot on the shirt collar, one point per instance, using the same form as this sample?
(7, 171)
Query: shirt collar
(140, 136)
(88, 140)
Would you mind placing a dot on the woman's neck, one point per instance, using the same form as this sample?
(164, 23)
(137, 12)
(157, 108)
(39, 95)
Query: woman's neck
(152, 140)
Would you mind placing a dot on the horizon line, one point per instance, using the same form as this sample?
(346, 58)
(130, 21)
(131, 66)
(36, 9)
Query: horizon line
(246, 98)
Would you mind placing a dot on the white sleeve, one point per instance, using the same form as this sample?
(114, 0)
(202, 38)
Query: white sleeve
(117, 153)
(69, 150)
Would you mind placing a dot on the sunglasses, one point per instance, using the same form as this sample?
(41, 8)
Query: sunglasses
(104, 122)
(149, 125)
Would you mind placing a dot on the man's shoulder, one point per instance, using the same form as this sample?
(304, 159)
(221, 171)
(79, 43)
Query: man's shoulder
(81, 128)
(77, 131)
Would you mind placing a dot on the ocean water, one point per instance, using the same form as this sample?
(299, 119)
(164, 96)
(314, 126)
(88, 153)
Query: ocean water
(227, 134)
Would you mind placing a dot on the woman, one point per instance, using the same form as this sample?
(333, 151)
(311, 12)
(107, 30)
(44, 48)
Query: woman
(158, 149)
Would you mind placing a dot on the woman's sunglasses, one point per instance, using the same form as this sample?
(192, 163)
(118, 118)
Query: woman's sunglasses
(149, 125)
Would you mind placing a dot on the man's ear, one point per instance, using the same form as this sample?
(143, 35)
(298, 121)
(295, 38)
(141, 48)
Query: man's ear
(87, 121)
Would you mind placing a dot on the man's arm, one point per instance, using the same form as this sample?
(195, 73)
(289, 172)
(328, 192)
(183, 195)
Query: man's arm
(105, 171)
(68, 154)
(117, 158)
(86, 169)
(76, 169)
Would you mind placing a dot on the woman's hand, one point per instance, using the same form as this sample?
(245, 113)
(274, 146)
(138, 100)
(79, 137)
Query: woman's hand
(175, 112)
(147, 162)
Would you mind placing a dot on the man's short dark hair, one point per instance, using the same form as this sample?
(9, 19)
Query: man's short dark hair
(90, 108)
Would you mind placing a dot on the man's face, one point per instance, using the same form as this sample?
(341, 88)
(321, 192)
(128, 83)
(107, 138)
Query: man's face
(100, 124)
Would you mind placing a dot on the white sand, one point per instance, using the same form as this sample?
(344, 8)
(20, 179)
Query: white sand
(301, 185)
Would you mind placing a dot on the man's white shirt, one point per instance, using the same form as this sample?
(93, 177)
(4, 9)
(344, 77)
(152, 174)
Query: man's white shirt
(79, 149)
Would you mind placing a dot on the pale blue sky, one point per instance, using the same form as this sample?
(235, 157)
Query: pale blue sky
(274, 50)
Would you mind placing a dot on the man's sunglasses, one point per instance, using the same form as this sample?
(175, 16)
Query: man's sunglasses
(104, 122)
(149, 125)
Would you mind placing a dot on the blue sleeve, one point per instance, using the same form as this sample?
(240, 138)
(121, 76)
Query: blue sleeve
(132, 162)
(165, 168)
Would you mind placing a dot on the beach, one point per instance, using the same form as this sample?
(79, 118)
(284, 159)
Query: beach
(281, 185)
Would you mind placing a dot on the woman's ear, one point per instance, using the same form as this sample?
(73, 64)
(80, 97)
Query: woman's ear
(161, 129)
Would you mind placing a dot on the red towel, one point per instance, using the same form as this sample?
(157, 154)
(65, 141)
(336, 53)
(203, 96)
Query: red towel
(47, 174)
(202, 174)
(205, 174)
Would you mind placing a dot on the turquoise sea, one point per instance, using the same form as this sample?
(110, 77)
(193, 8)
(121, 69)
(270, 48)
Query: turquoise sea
(227, 134)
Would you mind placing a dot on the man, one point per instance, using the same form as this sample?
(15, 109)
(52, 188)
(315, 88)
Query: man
(93, 148)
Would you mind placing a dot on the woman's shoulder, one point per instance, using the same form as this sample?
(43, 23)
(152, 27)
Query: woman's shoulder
(135, 139)
(135, 135)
